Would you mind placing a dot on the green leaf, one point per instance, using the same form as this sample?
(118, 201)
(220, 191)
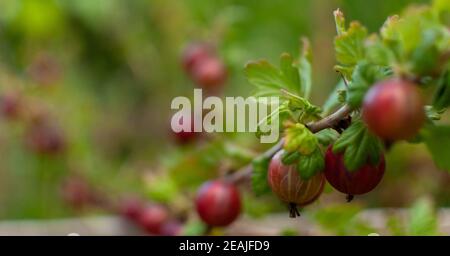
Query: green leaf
(422, 218)
(290, 72)
(349, 45)
(359, 146)
(409, 29)
(297, 103)
(390, 36)
(269, 80)
(266, 77)
(378, 53)
(426, 56)
(282, 113)
(441, 98)
(339, 19)
(310, 165)
(327, 136)
(259, 175)
(299, 138)
(418, 40)
(389, 29)
(304, 68)
(437, 139)
(364, 76)
(289, 158)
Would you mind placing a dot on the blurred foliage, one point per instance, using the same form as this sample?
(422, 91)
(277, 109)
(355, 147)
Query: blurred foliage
(422, 218)
(342, 220)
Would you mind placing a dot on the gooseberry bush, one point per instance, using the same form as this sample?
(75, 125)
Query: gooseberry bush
(394, 87)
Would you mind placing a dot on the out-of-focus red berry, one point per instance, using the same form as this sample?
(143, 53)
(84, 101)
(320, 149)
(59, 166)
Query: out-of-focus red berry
(10, 105)
(152, 218)
(194, 53)
(45, 138)
(209, 73)
(76, 192)
(131, 208)
(218, 203)
(172, 228)
(184, 137)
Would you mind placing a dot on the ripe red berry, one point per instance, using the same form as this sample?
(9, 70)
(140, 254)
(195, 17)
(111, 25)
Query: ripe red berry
(131, 208)
(152, 218)
(194, 53)
(45, 138)
(287, 184)
(357, 182)
(10, 105)
(218, 203)
(393, 109)
(171, 228)
(77, 193)
(209, 73)
(183, 136)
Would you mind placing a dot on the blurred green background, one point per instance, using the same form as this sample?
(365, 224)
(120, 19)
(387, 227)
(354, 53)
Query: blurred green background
(105, 72)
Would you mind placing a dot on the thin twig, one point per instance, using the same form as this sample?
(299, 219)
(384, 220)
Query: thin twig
(244, 173)
(330, 120)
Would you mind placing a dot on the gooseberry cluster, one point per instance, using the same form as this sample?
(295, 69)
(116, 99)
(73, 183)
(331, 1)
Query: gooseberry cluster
(207, 70)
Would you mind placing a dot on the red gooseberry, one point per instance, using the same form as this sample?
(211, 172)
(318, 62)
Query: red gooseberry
(218, 203)
(357, 182)
(287, 184)
(393, 109)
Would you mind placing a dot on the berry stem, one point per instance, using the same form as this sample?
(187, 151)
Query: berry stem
(349, 198)
(293, 211)
(329, 121)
